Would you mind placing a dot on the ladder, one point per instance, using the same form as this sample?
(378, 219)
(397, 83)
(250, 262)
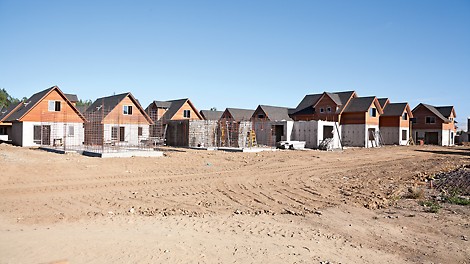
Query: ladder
(252, 138)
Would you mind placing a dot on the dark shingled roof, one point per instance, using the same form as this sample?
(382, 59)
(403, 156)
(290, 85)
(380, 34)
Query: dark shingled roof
(108, 103)
(172, 107)
(394, 109)
(443, 112)
(7, 111)
(382, 101)
(28, 104)
(211, 115)
(240, 114)
(305, 106)
(32, 101)
(359, 104)
(72, 97)
(341, 98)
(162, 104)
(275, 113)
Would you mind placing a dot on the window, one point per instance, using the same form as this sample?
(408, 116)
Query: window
(430, 120)
(404, 135)
(37, 134)
(71, 131)
(114, 133)
(127, 109)
(187, 113)
(322, 110)
(139, 131)
(373, 112)
(404, 116)
(260, 116)
(54, 106)
(328, 109)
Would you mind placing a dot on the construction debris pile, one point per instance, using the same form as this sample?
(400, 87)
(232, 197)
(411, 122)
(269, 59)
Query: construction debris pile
(457, 180)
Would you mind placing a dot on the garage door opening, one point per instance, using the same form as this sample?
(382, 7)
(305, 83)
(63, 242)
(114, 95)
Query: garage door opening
(431, 138)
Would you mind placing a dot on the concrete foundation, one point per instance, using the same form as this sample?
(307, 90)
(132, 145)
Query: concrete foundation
(22, 134)
(314, 132)
(445, 137)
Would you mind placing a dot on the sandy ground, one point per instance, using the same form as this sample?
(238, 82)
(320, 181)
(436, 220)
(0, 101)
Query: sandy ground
(217, 207)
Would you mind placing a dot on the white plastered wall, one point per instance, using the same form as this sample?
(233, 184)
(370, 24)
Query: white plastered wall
(131, 136)
(264, 132)
(312, 133)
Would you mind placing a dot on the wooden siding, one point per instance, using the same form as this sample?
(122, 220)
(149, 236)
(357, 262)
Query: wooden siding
(353, 118)
(324, 103)
(260, 111)
(116, 116)
(40, 112)
(179, 115)
(420, 115)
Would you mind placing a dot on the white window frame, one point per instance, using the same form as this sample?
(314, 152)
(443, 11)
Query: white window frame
(52, 106)
(126, 108)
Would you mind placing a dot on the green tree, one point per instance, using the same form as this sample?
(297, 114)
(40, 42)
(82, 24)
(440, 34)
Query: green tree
(6, 99)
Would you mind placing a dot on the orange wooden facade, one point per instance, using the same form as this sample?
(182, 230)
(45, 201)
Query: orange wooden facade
(194, 114)
(117, 116)
(325, 109)
(40, 112)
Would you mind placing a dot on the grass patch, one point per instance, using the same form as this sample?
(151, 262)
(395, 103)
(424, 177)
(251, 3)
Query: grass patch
(430, 206)
(457, 200)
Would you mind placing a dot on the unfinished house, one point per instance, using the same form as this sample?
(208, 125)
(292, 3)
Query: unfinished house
(272, 124)
(395, 123)
(5, 127)
(435, 125)
(211, 114)
(360, 122)
(48, 119)
(163, 112)
(235, 128)
(117, 121)
(325, 106)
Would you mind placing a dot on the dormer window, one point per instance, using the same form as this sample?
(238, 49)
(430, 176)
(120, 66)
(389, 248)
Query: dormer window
(127, 110)
(404, 116)
(54, 106)
(373, 112)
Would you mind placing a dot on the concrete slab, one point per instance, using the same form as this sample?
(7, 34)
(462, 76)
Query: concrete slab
(248, 150)
(123, 154)
(58, 151)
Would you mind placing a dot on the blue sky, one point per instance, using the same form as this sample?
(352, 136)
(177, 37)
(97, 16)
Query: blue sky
(239, 53)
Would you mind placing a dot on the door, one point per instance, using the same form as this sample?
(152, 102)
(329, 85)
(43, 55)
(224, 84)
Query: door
(327, 132)
(431, 138)
(46, 135)
(122, 134)
(279, 130)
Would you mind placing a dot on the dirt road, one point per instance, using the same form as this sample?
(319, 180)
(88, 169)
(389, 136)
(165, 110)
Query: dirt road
(208, 206)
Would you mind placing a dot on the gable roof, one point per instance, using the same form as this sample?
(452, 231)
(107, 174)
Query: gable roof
(383, 102)
(211, 115)
(172, 107)
(274, 113)
(108, 103)
(437, 112)
(395, 109)
(339, 98)
(7, 111)
(240, 114)
(305, 106)
(362, 104)
(29, 104)
(72, 97)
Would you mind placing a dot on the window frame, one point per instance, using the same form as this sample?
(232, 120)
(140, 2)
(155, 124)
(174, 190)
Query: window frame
(404, 116)
(430, 118)
(373, 112)
(114, 133)
(71, 131)
(54, 105)
(404, 133)
(187, 113)
(140, 131)
(37, 135)
(127, 109)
